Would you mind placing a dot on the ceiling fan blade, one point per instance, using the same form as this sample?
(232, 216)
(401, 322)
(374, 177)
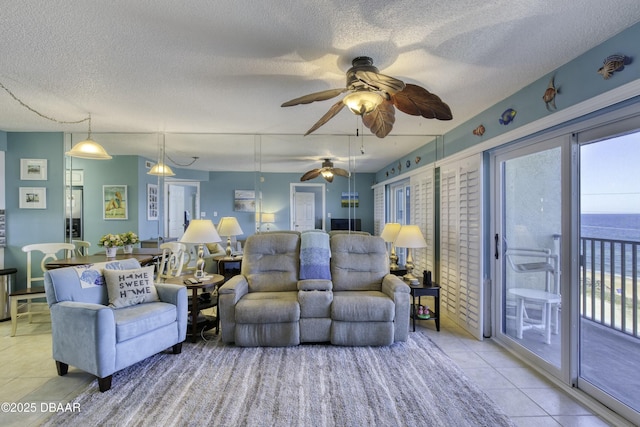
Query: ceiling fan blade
(317, 96)
(335, 109)
(341, 172)
(417, 101)
(381, 82)
(310, 175)
(380, 121)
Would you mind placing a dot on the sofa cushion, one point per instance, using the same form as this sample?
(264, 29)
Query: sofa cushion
(130, 287)
(139, 319)
(271, 262)
(358, 262)
(268, 307)
(362, 306)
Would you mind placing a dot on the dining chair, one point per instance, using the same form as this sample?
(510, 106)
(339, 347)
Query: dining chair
(172, 261)
(49, 252)
(81, 247)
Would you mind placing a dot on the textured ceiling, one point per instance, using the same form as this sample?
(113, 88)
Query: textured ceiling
(224, 67)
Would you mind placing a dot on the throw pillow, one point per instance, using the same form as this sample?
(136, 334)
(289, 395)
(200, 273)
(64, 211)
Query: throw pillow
(130, 287)
(214, 247)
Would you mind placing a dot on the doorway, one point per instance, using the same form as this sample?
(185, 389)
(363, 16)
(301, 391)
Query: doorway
(307, 203)
(182, 203)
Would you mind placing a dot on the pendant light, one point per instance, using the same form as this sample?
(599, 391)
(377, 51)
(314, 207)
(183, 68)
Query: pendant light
(160, 168)
(89, 149)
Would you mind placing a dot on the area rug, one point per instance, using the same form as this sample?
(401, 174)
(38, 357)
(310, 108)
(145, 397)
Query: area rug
(210, 383)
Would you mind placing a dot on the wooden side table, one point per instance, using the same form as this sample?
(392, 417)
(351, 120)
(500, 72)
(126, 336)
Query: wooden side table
(228, 266)
(420, 290)
(198, 303)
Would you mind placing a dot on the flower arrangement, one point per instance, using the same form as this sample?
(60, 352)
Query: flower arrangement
(111, 241)
(129, 238)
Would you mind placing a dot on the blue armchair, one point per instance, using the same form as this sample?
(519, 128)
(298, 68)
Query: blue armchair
(101, 340)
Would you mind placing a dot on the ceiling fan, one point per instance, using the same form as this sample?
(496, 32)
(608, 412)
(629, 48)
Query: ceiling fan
(327, 171)
(373, 95)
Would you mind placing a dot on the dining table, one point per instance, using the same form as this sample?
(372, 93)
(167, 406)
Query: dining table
(145, 256)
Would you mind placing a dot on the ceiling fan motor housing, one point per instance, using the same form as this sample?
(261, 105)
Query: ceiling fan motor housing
(361, 63)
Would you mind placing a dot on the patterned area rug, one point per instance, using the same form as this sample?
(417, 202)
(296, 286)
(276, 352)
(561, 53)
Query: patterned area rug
(406, 384)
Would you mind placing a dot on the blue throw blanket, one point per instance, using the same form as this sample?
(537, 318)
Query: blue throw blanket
(314, 255)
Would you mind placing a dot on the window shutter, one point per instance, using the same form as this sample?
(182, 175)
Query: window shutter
(378, 210)
(422, 215)
(460, 242)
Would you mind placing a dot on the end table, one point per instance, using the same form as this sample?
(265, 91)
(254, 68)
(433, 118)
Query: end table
(420, 290)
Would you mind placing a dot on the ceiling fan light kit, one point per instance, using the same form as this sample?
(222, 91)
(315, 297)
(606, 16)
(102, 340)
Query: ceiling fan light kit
(373, 96)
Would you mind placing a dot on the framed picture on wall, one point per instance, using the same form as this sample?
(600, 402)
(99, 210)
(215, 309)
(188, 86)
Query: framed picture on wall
(33, 169)
(152, 202)
(33, 198)
(114, 202)
(244, 201)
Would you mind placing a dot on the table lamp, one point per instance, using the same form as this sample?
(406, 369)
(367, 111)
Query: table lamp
(228, 226)
(268, 218)
(200, 231)
(410, 237)
(389, 234)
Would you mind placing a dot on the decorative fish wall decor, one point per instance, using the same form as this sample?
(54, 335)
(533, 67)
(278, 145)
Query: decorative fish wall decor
(549, 96)
(613, 63)
(507, 116)
(479, 131)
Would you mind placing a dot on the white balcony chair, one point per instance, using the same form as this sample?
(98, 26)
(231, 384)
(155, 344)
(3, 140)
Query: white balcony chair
(50, 252)
(172, 261)
(527, 260)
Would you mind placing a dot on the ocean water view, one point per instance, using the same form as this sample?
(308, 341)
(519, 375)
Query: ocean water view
(622, 228)
(611, 226)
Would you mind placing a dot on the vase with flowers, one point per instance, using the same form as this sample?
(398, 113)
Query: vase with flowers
(128, 240)
(111, 243)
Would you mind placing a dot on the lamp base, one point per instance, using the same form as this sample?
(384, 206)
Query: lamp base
(411, 279)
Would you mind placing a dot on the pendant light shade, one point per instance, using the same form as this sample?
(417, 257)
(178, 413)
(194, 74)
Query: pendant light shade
(89, 149)
(160, 169)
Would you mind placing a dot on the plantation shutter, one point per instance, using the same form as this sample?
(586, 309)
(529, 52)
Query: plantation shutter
(422, 215)
(378, 210)
(460, 242)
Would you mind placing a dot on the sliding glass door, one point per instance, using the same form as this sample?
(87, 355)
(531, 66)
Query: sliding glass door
(528, 237)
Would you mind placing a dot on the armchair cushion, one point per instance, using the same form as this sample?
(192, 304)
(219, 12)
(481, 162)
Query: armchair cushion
(139, 319)
(130, 287)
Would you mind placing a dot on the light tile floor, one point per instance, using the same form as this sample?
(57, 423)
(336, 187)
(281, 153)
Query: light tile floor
(28, 376)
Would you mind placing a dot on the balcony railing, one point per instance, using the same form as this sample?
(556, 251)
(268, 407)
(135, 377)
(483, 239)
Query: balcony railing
(609, 281)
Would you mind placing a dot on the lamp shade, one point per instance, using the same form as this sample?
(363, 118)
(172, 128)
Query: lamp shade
(200, 231)
(390, 231)
(89, 149)
(160, 169)
(268, 217)
(228, 226)
(410, 236)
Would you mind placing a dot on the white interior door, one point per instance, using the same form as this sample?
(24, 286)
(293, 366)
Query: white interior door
(304, 211)
(176, 211)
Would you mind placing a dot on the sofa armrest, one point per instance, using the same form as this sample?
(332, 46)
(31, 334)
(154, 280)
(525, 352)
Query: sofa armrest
(84, 335)
(236, 286)
(392, 284)
(176, 295)
(315, 285)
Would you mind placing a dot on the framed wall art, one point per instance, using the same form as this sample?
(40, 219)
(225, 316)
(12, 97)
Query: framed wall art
(33, 169)
(152, 202)
(114, 202)
(244, 201)
(33, 198)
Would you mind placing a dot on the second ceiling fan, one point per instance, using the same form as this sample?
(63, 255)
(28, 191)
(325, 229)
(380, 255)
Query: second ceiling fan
(373, 96)
(327, 171)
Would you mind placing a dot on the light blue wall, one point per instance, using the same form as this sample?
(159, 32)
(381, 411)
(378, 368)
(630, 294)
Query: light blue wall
(3, 141)
(576, 81)
(26, 226)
